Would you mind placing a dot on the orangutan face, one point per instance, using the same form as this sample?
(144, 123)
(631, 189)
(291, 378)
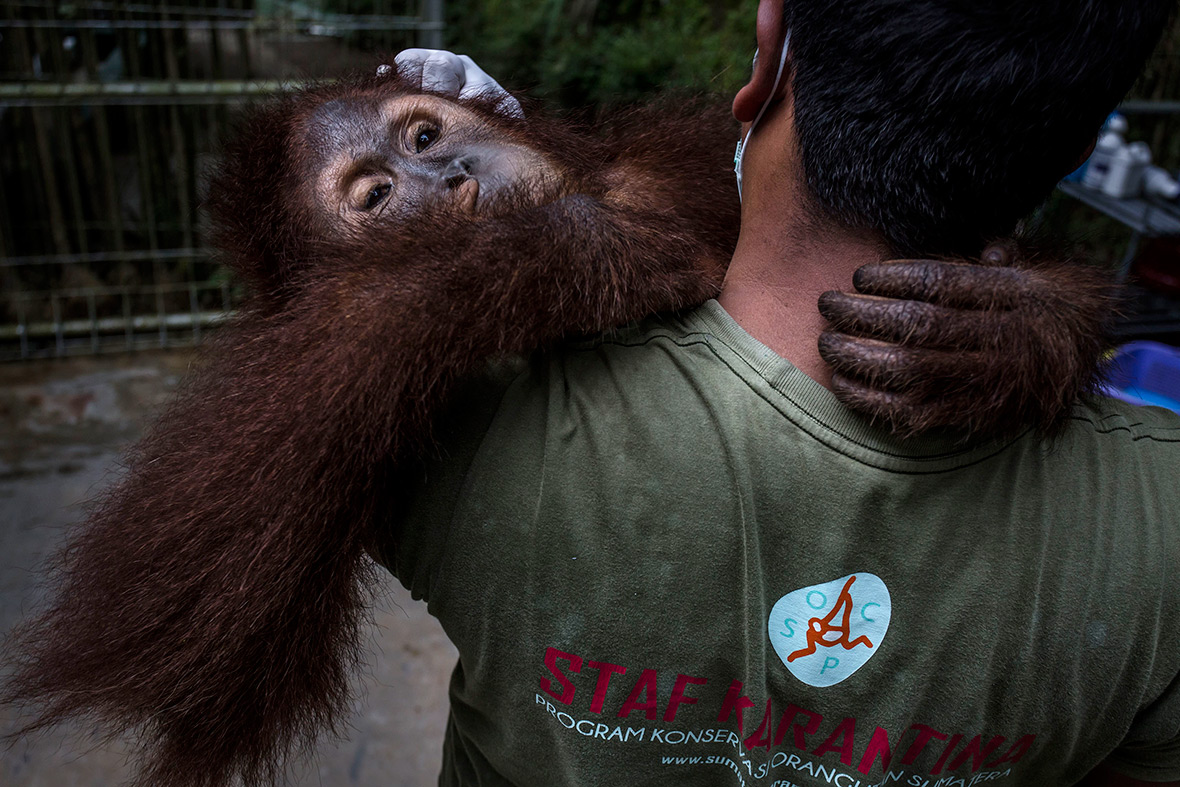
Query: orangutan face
(384, 160)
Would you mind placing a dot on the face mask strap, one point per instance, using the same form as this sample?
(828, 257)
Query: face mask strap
(741, 145)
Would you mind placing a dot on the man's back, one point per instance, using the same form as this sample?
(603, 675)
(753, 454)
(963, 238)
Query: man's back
(670, 557)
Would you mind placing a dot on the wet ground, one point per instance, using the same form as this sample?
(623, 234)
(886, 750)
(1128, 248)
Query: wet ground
(62, 427)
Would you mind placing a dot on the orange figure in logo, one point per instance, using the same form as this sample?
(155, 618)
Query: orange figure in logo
(818, 628)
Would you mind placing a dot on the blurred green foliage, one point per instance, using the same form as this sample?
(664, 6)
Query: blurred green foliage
(580, 53)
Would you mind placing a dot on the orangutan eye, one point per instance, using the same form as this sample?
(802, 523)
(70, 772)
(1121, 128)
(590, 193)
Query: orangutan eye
(376, 195)
(424, 137)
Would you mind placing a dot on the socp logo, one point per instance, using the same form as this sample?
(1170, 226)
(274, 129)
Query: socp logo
(824, 633)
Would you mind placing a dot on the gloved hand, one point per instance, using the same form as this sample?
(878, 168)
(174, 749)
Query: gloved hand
(993, 347)
(439, 71)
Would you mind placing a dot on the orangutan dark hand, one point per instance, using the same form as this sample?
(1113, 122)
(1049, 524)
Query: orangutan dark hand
(993, 347)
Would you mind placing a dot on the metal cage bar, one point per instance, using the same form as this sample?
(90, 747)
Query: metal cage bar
(108, 113)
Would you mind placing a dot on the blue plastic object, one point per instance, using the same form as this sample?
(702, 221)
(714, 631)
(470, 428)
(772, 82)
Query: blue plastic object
(1079, 173)
(1146, 373)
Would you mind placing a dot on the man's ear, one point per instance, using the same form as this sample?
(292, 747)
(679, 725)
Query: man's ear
(771, 32)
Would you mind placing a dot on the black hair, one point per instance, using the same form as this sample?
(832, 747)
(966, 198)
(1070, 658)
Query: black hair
(940, 123)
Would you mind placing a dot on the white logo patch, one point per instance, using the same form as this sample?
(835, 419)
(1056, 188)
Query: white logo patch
(824, 633)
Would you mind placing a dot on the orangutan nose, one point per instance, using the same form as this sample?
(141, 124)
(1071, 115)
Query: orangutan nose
(459, 171)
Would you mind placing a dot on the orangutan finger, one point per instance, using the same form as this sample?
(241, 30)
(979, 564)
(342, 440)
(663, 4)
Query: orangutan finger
(891, 366)
(905, 414)
(874, 403)
(955, 284)
(913, 323)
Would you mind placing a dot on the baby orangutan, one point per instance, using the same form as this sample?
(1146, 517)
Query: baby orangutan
(394, 241)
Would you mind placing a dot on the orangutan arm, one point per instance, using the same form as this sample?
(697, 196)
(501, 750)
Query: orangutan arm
(988, 348)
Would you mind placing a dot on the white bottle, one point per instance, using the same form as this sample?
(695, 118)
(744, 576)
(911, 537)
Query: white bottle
(1125, 178)
(1110, 141)
(1158, 183)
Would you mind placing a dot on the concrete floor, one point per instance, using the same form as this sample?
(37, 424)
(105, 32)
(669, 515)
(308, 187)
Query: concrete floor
(62, 426)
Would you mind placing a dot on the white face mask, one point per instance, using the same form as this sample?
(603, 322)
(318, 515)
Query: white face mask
(741, 145)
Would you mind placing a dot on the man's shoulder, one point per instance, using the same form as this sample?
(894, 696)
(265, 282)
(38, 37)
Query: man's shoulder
(1125, 456)
(687, 327)
(665, 353)
(1116, 423)
(626, 365)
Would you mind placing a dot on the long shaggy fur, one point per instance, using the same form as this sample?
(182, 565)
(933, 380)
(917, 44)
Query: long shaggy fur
(212, 602)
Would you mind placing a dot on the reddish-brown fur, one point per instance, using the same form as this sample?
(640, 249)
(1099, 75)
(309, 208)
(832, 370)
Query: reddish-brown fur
(213, 600)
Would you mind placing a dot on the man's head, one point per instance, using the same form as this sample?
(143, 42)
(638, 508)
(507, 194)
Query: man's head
(940, 123)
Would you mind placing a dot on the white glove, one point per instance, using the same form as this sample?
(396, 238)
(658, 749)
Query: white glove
(439, 71)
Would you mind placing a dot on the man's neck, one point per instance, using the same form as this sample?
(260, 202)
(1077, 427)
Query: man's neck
(776, 277)
(786, 257)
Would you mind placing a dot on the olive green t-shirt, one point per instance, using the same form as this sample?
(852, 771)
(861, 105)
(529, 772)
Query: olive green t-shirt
(668, 557)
